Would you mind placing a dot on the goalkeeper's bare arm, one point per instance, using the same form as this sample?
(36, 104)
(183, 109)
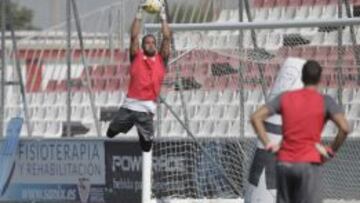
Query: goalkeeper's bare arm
(135, 32)
(166, 41)
(148, 43)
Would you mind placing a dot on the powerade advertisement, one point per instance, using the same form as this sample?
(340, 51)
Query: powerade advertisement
(123, 172)
(105, 171)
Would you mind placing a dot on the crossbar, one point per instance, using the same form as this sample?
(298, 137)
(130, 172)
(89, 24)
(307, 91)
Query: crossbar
(256, 25)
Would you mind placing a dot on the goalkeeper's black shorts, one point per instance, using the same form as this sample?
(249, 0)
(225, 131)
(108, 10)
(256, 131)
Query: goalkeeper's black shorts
(298, 182)
(125, 119)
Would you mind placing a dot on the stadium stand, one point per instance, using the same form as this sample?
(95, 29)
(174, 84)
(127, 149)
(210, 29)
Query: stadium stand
(216, 104)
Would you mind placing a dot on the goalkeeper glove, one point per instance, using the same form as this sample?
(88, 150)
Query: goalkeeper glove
(140, 12)
(163, 13)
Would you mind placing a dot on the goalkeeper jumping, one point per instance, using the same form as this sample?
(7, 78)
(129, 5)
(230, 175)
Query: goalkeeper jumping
(146, 75)
(304, 114)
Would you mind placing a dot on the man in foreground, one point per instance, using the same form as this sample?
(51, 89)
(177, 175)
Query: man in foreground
(304, 114)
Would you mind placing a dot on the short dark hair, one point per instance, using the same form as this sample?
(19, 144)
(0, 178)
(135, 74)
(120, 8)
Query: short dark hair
(311, 73)
(146, 36)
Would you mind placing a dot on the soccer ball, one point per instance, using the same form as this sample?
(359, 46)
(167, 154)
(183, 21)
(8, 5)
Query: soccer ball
(153, 6)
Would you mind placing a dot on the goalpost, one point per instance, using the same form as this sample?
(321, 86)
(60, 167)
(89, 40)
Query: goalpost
(212, 156)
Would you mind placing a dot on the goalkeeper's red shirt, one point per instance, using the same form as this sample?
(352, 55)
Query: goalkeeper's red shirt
(146, 76)
(304, 113)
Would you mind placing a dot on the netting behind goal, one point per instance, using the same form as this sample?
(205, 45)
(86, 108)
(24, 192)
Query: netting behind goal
(214, 85)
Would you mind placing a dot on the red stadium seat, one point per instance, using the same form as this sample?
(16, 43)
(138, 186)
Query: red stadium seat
(122, 70)
(109, 71)
(233, 83)
(99, 84)
(258, 3)
(322, 2)
(309, 52)
(296, 51)
(269, 3)
(349, 62)
(201, 69)
(283, 52)
(186, 70)
(283, 3)
(333, 1)
(78, 85)
(112, 84)
(333, 52)
(356, 2)
(221, 83)
(349, 53)
(61, 86)
(90, 69)
(308, 2)
(270, 69)
(295, 2)
(322, 52)
(209, 83)
(125, 83)
(98, 72)
(51, 86)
